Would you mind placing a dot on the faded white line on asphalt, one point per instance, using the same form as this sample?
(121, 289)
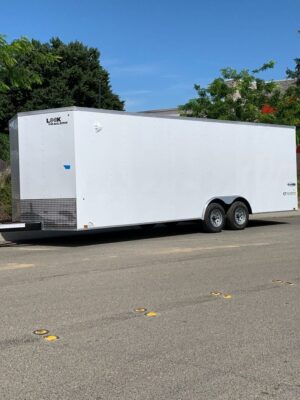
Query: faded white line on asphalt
(35, 248)
(11, 266)
(192, 249)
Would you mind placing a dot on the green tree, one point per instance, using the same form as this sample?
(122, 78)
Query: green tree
(77, 80)
(4, 147)
(292, 108)
(14, 74)
(5, 195)
(288, 109)
(235, 96)
(242, 96)
(295, 74)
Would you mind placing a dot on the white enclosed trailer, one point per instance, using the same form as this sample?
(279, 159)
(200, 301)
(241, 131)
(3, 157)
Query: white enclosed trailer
(80, 169)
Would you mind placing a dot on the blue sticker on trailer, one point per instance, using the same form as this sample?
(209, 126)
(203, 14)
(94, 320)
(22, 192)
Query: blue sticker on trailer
(67, 166)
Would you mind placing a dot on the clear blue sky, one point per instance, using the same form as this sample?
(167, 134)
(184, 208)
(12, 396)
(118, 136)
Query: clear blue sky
(156, 50)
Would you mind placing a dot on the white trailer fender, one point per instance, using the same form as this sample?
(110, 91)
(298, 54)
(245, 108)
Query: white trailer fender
(228, 200)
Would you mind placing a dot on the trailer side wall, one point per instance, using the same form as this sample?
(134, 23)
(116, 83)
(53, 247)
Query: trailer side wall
(137, 169)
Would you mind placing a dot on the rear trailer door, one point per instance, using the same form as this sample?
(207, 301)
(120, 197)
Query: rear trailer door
(43, 170)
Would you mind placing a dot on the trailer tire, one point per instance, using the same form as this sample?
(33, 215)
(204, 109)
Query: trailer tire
(237, 216)
(214, 218)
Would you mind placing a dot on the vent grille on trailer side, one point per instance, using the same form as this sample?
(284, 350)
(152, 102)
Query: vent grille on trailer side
(51, 213)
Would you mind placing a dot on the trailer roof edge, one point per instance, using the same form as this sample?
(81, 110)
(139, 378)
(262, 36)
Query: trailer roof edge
(141, 114)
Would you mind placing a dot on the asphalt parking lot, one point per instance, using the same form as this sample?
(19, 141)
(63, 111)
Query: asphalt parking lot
(224, 315)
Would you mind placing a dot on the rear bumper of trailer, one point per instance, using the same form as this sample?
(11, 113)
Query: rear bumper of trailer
(20, 226)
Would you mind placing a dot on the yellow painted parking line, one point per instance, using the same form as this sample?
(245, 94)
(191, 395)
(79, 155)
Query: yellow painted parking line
(12, 266)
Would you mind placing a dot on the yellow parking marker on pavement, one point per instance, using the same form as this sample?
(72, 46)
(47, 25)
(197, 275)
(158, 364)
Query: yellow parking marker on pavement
(140, 310)
(226, 296)
(51, 338)
(41, 332)
(151, 314)
(215, 293)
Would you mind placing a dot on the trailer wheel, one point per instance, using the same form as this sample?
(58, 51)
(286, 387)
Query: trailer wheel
(237, 216)
(214, 219)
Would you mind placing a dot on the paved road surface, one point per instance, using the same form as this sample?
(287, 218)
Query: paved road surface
(240, 344)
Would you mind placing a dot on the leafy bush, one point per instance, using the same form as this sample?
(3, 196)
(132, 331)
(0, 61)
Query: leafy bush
(5, 195)
(4, 147)
(5, 184)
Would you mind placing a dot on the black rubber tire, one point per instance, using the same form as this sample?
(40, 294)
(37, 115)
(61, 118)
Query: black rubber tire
(232, 220)
(207, 223)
